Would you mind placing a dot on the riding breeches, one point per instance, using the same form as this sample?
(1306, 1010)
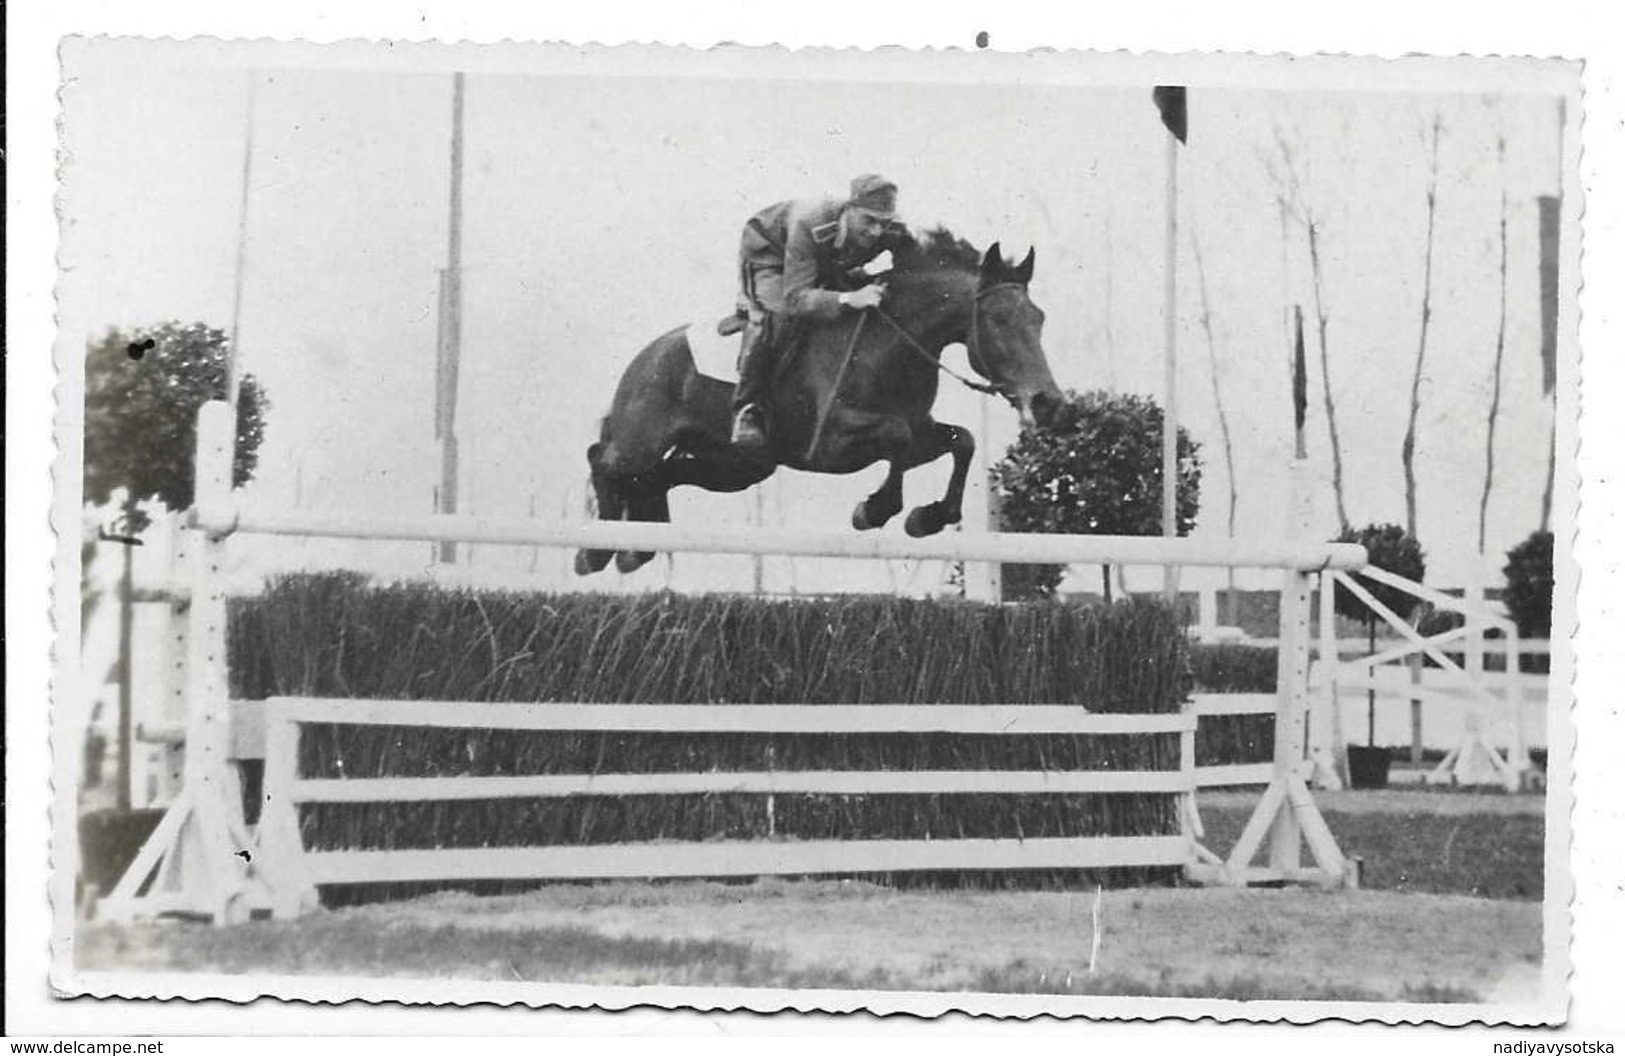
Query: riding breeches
(765, 336)
(761, 289)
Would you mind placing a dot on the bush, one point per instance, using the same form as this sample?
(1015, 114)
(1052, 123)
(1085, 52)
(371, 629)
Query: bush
(1391, 549)
(109, 841)
(1095, 470)
(1431, 620)
(1528, 594)
(1231, 740)
(1223, 740)
(1233, 668)
(143, 391)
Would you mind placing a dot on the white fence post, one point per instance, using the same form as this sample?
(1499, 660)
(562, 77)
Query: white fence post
(1292, 713)
(202, 850)
(175, 653)
(280, 845)
(1328, 751)
(1513, 685)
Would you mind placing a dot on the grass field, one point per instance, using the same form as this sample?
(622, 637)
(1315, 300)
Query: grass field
(1451, 913)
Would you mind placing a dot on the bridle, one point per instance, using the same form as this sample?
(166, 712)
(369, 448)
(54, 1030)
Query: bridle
(973, 350)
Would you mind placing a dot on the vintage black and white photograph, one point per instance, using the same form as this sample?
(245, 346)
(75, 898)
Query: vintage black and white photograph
(904, 530)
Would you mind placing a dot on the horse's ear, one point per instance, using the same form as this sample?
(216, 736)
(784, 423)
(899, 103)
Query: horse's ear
(993, 262)
(1024, 271)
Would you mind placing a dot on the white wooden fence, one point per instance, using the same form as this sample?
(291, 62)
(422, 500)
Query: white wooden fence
(1494, 745)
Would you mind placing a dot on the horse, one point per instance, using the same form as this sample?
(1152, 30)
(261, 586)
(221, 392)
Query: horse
(851, 393)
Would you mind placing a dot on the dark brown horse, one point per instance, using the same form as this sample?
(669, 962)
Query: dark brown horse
(852, 393)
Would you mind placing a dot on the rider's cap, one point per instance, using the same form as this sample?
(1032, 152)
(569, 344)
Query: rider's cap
(875, 194)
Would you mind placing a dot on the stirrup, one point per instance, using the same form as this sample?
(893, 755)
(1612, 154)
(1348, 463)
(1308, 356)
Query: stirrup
(749, 429)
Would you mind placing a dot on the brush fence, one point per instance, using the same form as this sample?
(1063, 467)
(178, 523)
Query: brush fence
(205, 859)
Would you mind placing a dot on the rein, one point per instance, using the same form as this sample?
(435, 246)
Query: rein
(973, 352)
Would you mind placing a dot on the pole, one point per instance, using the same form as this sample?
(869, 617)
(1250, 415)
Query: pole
(233, 358)
(126, 663)
(1549, 313)
(756, 559)
(982, 581)
(1111, 338)
(1170, 380)
(451, 305)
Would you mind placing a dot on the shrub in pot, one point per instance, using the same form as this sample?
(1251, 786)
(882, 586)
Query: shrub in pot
(1391, 548)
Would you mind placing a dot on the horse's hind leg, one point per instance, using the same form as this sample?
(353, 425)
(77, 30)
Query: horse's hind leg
(609, 498)
(645, 503)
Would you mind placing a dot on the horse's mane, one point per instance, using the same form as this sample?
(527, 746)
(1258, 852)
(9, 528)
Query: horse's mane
(935, 249)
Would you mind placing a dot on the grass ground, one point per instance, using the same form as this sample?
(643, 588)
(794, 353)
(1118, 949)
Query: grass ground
(1487, 845)
(832, 934)
(1452, 914)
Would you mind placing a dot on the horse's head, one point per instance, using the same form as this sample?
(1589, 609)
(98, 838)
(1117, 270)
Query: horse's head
(1003, 338)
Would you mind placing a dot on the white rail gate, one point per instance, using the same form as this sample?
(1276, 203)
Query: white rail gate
(204, 859)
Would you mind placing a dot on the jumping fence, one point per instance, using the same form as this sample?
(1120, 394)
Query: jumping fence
(205, 859)
(1495, 713)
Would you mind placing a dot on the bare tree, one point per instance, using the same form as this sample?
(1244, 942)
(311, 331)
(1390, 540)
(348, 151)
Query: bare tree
(1408, 449)
(1500, 353)
(1321, 325)
(1224, 419)
(1551, 220)
(1292, 202)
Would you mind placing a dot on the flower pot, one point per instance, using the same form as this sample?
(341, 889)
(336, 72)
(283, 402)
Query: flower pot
(1368, 767)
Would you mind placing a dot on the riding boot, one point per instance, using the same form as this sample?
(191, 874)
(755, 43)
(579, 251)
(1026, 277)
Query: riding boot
(757, 363)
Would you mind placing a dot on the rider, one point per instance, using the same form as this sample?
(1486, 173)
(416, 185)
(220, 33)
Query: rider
(796, 262)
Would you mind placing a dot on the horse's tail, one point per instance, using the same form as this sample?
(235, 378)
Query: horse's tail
(596, 479)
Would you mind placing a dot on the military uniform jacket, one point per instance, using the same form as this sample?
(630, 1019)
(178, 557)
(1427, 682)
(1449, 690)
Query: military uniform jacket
(798, 238)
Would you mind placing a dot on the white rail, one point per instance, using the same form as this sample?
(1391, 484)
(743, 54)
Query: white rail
(1005, 547)
(763, 858)
(728, 718)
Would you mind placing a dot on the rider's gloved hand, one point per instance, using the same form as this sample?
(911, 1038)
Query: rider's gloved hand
(868, 297)
(881, 264)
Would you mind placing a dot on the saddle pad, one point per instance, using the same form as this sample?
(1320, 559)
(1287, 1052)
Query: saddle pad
(715, 356)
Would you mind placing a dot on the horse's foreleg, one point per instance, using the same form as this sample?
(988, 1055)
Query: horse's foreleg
(611, 505)
(930, 444)
(647, 502)
(885, 503)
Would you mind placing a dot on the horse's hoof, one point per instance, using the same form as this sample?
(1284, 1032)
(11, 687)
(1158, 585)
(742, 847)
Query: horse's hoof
(922, 521)
(632, 560)
(863, 520)
(590, 561)
(928, 520)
